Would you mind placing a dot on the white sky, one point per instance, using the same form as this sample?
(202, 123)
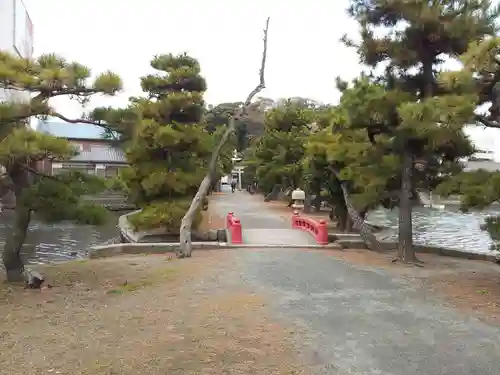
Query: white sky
(304, 52)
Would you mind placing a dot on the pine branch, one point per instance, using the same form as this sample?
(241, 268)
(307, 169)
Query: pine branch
(85, 121)
(44, 91)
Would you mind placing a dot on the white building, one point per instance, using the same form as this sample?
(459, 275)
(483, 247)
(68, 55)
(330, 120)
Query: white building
(16, 37)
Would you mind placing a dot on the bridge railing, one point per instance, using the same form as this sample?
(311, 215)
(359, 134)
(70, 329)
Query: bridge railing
(319, 230)
(233, 227)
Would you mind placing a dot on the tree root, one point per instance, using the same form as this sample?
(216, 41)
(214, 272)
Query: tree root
(415, 262)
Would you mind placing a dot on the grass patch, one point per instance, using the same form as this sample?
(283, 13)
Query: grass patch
(130, 287)
(156, 277)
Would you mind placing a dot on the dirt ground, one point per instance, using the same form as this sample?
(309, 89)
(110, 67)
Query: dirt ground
(468, 285)
(141, 315)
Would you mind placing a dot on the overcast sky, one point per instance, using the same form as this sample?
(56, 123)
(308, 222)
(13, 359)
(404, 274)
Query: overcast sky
(304, 52)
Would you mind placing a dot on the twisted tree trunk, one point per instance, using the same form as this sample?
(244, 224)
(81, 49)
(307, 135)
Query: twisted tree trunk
(185, 247)
(358, 222)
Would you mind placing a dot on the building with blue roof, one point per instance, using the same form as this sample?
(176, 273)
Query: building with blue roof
(96, 155)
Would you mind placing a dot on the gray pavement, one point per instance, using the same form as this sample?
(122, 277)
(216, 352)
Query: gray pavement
(261, 225)
(351, 320)
(358, 320)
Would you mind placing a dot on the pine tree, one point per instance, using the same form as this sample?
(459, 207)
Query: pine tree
(480, 75)
(21, 148)
(424, 119)
(170, 147)
(279, 151)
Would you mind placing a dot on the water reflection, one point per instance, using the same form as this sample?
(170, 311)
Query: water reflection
(448, 228)
(59, 241)
(445, 228)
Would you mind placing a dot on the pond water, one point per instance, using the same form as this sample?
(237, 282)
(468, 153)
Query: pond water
(448, 228)
(60, 241)
(445, 228)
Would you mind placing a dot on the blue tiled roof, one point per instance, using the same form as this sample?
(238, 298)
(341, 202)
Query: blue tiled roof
(66, 130)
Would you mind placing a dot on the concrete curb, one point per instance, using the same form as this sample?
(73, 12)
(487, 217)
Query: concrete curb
(392, 247)
(106, 251)
(110, 250)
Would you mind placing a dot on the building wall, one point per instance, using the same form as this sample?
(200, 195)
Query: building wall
(104, 170)
(107, 169)
(16, 37)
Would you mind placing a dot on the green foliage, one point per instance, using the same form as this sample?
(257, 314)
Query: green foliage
(492, 226)
(59, 198)
(22, 145)
(219, 115)
(477, 189)
(368, 170)
(51, 74)
(216, 120)
(47, 77)
(279, 151)
(246, 128)
(163, 214)
(169, 146)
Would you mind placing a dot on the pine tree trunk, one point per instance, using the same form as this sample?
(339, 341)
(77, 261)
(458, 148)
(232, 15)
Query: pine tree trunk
(405, 238)
(307, 203)
(342, 216)
(357, 220)
(12, 261)
(364, 230)
(185, 246)
(317, 202)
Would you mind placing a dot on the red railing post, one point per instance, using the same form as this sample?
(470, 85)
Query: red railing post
(236, 235)
(228, 220)
(295, 218)
(322, 236)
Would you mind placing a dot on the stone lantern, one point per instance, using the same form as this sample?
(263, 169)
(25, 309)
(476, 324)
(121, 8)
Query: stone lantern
(420, 165)
(298, 198)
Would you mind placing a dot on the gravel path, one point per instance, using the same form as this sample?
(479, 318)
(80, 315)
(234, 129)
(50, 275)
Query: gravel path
(352, 320)
(360, 320)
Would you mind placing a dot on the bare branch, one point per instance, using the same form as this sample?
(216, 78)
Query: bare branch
(262, 83)
(185, 231)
